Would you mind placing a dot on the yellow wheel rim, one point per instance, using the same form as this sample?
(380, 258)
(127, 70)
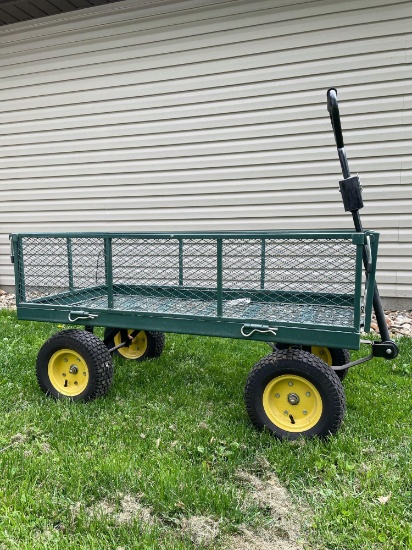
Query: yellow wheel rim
(68, 372)
(137, 347)
(292, 403)
(322, 353)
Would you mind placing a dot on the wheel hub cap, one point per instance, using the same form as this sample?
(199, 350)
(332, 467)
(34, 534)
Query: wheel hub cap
(137, 346)
(68, 372)
(306, 403)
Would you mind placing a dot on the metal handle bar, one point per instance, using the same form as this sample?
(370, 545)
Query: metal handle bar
(333, 108)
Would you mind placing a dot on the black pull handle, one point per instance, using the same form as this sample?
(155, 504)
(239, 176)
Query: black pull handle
(333, 108)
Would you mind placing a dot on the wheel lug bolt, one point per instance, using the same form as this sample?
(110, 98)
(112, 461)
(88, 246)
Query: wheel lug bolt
(305, 412)
(286, 413)
(290, 383)
(64, 374)
(277, 395)
(308, 394)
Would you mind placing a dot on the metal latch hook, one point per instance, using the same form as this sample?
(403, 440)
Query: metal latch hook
(263, 329)
(81, 315)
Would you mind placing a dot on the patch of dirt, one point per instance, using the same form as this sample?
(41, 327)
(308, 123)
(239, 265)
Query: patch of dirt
(45, 447)
(200, 529)
(283, 533)
(130, 509)
(75, 511)
(249, 540)
(18, 438)
(102, 508)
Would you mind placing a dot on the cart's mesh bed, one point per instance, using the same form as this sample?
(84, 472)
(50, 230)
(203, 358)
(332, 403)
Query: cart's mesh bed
(304, 280)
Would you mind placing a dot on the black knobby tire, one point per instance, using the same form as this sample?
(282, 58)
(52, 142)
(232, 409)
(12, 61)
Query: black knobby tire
(146, 344)
(316, 409)
(332, 356)
(74, 364)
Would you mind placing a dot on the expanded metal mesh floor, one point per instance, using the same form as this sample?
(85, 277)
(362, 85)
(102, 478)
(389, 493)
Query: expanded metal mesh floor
(233, 309)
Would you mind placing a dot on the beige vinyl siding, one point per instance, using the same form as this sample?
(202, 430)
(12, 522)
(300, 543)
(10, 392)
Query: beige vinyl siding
(207, 114)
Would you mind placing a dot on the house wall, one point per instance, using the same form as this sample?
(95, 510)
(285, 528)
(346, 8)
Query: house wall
(208, 114)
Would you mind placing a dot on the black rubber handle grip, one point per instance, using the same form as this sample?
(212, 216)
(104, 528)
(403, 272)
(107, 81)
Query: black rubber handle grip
(333, 108)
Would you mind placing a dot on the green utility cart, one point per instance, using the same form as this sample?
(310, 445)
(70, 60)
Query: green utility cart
(308, 294)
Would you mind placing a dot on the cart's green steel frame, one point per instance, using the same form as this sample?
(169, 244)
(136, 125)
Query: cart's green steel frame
(242, 301)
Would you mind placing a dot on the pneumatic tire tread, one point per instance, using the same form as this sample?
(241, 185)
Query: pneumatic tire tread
(93, 351)
(157, 345)
(340, 356)
(295, 362)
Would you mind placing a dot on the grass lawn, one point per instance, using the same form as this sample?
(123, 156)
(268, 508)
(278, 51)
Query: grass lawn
(171, 444)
